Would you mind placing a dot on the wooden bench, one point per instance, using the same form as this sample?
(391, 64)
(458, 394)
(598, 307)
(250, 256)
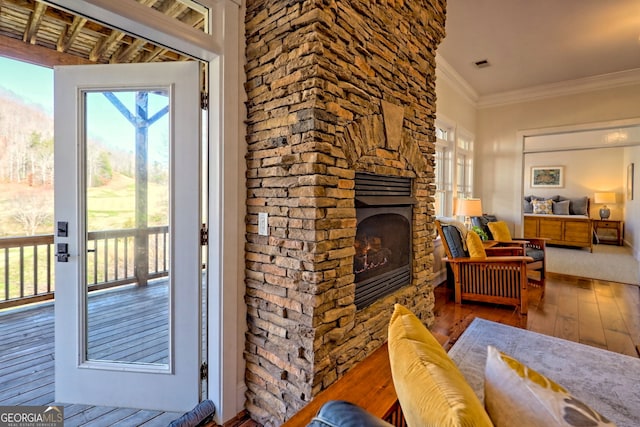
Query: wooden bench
(368, 384)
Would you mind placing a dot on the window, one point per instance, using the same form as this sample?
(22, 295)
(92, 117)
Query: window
(464, 164)
(454, 166)
(443, 170)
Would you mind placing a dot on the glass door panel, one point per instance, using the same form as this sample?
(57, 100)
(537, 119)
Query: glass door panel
(127, 191)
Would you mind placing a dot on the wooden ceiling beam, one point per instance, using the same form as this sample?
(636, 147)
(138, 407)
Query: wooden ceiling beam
(105, 45)
(38, 55)
(31, 32)
(68, 37)
(129, 52)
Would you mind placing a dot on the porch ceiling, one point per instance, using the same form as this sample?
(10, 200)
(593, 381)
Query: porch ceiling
(28, 26)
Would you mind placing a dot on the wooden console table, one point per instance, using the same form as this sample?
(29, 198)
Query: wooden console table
(611, 231)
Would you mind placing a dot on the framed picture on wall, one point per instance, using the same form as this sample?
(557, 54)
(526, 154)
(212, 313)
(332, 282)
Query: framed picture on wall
(630, 181)
(547, 176)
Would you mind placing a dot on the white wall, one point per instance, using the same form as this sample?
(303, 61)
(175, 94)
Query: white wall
(453, 106)
(585, 172)
(499, 159)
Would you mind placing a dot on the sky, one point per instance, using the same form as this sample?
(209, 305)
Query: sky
(34, 84)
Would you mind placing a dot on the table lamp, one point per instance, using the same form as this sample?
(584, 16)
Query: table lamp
(604, 198)
(468, 208)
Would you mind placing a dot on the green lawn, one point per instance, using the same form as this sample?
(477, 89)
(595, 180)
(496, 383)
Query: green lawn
(110, 206)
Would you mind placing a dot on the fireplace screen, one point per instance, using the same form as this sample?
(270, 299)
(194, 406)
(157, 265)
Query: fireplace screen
(381, 245)
(383, 252)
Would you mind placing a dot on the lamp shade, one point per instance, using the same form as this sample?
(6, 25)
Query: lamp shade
(468, 207)
(604, 198)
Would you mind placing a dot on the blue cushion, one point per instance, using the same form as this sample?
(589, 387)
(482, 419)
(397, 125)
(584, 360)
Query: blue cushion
(536, 254)
(345, 414)
(454, 241)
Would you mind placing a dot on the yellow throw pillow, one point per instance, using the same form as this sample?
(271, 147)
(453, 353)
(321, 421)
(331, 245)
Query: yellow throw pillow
(430, 387)
(516, 395)
(475, 246)
(500, 231)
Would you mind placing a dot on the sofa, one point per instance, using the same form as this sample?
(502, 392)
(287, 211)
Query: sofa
(561, 220)
(480, 385)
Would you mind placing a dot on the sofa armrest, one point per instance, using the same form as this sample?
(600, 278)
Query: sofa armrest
(339, 413)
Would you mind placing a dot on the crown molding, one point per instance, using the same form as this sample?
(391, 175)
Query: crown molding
(568, 87)
(446, 72)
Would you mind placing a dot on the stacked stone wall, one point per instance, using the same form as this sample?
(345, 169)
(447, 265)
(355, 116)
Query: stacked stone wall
(333, 88)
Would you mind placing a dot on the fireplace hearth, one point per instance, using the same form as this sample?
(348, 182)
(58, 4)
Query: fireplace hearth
(383, 236)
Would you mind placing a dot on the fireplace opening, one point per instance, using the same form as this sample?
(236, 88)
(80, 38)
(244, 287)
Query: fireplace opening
(382, 262)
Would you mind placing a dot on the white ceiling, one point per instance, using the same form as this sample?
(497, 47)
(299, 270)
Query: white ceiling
(532, 43)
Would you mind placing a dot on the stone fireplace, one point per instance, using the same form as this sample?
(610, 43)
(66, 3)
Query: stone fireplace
(335, 89)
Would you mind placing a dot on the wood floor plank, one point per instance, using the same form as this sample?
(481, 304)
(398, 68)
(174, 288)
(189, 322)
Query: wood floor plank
(620, 343)
(590, 325)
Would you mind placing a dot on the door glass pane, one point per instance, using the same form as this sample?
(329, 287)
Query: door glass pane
(127, 225)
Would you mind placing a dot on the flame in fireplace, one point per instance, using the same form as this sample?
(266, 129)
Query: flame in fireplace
(370, 254)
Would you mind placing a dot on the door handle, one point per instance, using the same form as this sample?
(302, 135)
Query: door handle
(62, 252)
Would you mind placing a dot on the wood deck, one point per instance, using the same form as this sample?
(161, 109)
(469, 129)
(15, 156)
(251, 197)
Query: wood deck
(27, 351)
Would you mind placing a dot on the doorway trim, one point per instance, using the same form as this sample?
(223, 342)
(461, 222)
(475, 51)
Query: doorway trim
(221, 50)
(565, 129)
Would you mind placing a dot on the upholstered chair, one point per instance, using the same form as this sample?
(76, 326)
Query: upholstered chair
(494, 275)
(533, 247)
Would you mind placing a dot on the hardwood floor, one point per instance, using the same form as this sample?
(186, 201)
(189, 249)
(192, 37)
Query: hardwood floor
(592, 312)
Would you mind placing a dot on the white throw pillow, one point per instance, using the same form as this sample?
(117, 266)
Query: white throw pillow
(515, 395)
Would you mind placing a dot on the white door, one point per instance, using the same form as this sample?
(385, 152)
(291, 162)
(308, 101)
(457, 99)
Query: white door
(127, 215)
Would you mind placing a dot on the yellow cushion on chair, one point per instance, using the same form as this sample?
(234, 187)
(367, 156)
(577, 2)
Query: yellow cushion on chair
(500, 231)
(475, 246)
(430, 387)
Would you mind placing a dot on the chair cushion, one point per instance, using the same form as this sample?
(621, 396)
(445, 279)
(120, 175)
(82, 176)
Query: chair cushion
(454, 241)
(475, 246)
(516, 395)
(500, 231)
(431, 389)
(536, 254)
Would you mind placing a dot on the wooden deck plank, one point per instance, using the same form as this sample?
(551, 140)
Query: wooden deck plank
(27, 352)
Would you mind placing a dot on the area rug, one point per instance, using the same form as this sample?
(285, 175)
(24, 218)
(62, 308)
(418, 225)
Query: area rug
(608, 382)
(606, 262)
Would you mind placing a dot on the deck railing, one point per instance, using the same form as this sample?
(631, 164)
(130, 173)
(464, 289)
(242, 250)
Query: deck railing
(114, 258)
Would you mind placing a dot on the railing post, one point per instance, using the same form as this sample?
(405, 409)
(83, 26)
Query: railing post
(141, 259)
